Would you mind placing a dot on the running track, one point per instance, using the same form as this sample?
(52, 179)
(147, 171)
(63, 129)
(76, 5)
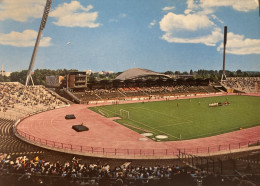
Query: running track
(105, 135)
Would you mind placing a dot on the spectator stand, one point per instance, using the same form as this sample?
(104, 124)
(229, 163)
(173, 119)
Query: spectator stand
(17, 100)
(141, 93)
(228, 165)
(40, 171)
(242, 84)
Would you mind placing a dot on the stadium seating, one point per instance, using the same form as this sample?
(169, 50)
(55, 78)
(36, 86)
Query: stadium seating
(12, 145)
(142, 92)
(243, 84)
(17, 100)
(75, 172)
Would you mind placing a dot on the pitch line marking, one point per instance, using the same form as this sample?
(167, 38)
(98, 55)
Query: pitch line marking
(154, 128)
(103, 112)
(102, 109)
(145, 125)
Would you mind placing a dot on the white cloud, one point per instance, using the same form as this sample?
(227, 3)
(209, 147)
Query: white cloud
(73, 14)
(168, 8)
(153, 23)
(209, 6)
(239, 45)
(216, 18)
(21, 10)
(191, 4)
(239, 5)
(118, 18)
(122, 15)
(197, 25)
(175, 26)
(187, 11)
(171, 22)
(26, 38)
(210, 40)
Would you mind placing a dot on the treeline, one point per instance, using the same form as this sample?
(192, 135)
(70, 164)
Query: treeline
(39, 75)
(215, 75)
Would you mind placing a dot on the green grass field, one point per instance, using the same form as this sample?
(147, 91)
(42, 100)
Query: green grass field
(192, 118)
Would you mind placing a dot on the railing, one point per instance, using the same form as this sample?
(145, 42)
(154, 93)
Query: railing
(213, 164)
(135, 152)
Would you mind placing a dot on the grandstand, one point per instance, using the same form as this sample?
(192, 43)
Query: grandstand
(242, 84)
(18, 100)
(138, 83)
(139, 73)
(143, 83)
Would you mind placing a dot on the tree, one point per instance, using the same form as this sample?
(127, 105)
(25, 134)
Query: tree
(92, 77)
(239, 73)
(214, 77)
(112, 76)
(191, 72)
(168, 73)
(177, 73)
(245, 74)
(4, 78)
(229, 73)
(18, 76)
(39, 76)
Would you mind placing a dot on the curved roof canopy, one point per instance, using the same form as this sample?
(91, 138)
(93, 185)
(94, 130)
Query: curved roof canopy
(138, 73)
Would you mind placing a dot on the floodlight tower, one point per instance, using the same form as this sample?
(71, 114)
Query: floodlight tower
(259, 7)
(42, 26)
(223, 78)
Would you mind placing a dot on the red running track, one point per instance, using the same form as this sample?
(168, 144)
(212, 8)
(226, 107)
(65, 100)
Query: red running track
(108, 138)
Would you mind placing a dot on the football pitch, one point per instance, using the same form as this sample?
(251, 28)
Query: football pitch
(186, 118)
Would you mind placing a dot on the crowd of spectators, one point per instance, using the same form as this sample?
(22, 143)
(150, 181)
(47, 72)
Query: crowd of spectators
(17, 98)
(178, 89)
(244, 84)
(100, 92)
(39, 171)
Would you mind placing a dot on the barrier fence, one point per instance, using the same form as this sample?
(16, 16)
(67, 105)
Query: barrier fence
(136, 152)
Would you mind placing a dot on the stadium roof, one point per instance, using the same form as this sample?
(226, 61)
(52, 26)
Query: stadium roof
(138, 73)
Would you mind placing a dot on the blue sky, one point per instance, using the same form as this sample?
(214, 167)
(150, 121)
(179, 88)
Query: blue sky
(116, 35)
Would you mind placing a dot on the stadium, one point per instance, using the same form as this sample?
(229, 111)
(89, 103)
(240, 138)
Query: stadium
(136, 121)
(139, 128)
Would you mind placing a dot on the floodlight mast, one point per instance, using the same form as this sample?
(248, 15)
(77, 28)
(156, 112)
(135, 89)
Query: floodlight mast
(223, 78)
(42, 26)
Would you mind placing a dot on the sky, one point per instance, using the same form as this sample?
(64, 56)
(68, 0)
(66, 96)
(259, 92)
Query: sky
(116, 35)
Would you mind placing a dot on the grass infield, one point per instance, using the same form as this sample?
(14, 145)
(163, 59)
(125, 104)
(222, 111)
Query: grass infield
(187, 118)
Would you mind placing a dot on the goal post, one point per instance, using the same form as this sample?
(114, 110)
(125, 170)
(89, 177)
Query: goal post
(124, 113)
